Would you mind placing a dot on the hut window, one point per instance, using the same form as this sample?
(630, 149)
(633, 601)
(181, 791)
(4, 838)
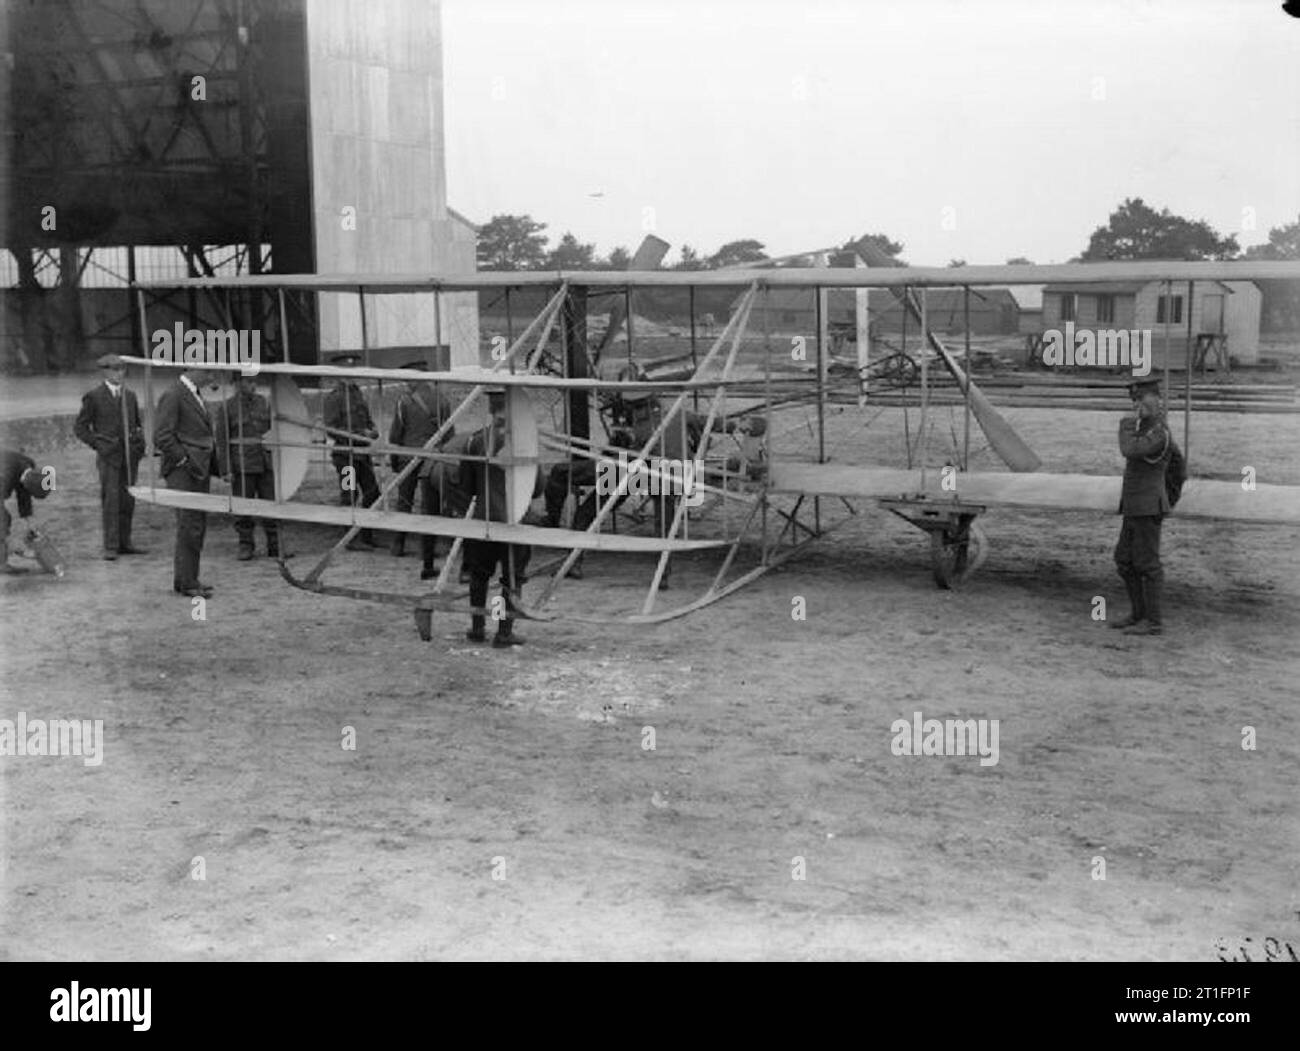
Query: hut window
(1105, 308)
(1067, 306)
(1169, 309)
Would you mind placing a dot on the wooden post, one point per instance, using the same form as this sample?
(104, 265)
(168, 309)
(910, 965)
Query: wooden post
(146, 408)
(923, 438)
(1187, 383)
(574, 321)
(965, 454)
(365, 341)
(1169, 310)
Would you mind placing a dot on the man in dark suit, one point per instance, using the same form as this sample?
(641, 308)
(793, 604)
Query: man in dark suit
(486, 483)
(183, 436)
(241, 422)
(18, 475)
(420, 411)
(1144, 442)
(109, 422)
(348, 422)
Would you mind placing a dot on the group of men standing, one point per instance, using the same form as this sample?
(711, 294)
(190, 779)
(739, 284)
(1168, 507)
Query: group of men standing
(196, 442)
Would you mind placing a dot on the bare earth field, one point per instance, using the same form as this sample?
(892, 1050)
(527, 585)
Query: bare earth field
(223, 742)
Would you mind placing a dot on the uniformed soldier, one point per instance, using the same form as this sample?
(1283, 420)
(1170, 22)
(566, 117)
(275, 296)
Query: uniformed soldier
(109, 422)
(1144, 442)
(348, 422)
(486, 483)
(18, 474)
(245, 462)
(420, 411)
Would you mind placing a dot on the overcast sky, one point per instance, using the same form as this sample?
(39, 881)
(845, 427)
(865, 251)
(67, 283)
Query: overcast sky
(978, 130)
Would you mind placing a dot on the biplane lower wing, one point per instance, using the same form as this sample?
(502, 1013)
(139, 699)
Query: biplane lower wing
(433, 525)
(1201, 497)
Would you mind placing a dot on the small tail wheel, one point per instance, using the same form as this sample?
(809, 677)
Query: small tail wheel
(956, 553)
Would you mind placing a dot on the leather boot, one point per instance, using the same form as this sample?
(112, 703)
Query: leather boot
(505, 636)
(478, 587)
(424, 622)
(5, 567)
(1136, 605)
(1151, 624)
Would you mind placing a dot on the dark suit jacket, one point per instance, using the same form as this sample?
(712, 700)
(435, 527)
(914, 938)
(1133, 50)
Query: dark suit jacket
(12, 466)
(183, 429)
(1145, 449)
(488, 481)
(241, 422)
(418, 416)
(99, 425)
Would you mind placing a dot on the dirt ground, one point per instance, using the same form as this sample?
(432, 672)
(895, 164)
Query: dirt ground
(772, 743)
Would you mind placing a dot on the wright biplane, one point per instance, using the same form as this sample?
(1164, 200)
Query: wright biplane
(760, 409)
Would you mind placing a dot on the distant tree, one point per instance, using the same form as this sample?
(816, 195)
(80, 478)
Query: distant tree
(619, 258)
(1283, 243)
(734, 253)
(571, 254)
(875, 249)
(957, 262)
(1137, 231)
(690, 260)
(1280, 308)
(511, 242)
(1020, 260)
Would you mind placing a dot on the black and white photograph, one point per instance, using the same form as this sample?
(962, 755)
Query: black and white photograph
(650, 480)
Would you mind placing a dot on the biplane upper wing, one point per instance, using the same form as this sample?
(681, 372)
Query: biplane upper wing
(787, 277)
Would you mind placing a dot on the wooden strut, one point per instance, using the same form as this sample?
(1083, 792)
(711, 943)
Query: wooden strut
(706, 438)
(735, 327)
(547, 313)
(558, 443)
(454, 553)
(714, 594)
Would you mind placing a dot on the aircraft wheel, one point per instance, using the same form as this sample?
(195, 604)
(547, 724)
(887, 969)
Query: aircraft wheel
(955, 557)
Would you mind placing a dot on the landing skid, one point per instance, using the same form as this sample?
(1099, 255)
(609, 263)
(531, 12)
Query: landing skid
(958, 546)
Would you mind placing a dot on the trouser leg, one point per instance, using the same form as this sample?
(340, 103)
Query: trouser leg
(405, 503)
(478, 563)
(125, 514)
(1129, 573)
(1138, 557)
(191, 528)
(429, 506)
(111, 491)
(1146, 560)
(266, 491)
(514, 564)
(369, 492)
(244, 486)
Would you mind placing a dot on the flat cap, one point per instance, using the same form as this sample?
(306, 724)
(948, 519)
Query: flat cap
(109, 361)
(1145, 385)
